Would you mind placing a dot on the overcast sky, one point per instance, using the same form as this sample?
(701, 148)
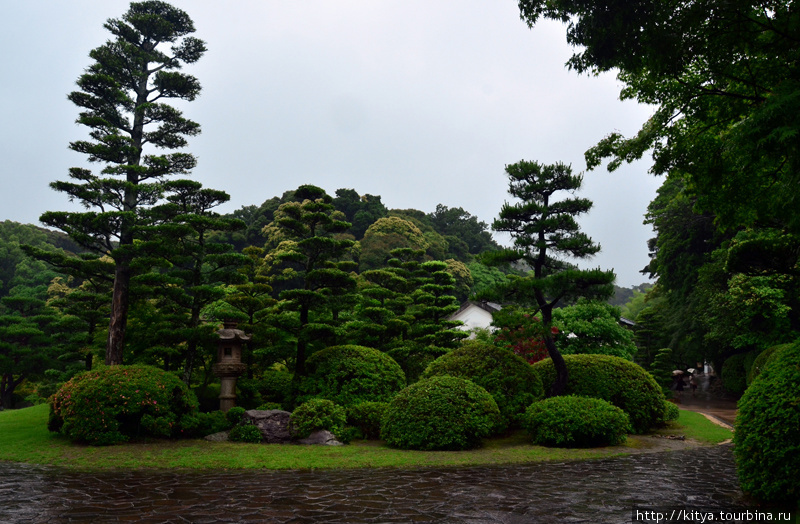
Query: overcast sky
(419, 102)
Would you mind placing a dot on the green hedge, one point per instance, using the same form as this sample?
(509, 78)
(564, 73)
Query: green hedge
(317, 413)
(572, 421)
(510, 380)
(734, 375)
(348, 375)
(762, 360)
(440, 413)
(616, 380)
(415, 358)
(768, 431)
(113, 404)
(367, 417)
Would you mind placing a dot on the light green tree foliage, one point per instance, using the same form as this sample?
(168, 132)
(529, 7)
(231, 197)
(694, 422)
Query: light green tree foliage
(543, 229)
(463, 279)
(484, 277)
(311, 269)
(386, 235)
(122, 98)
(592, 327)
(16, 267)
(634, 306)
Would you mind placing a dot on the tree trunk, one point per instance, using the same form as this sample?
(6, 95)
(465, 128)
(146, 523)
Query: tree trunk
(559, 387)
(119, 314)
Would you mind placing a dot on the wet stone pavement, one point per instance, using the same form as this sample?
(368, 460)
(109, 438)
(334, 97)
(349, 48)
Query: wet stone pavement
(598, 491)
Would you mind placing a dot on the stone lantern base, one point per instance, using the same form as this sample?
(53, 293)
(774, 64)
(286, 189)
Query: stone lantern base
(228, 372)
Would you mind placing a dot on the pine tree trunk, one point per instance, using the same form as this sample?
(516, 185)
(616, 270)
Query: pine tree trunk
(119, 314)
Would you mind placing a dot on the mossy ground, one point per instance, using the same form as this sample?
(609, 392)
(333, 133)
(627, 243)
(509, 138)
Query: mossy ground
(24, 438)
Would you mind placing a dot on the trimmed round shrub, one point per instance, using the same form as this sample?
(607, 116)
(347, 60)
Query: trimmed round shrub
(275, 386)
(366, 417)
(113, 404)
(508, 378)
(734, 376)
(572, 421)
(440, 413)
(348, 375)
(671, 411)
(768, 431)
(234, 415)
(245, 433)
(763, 359)
(317, 413)
(613, 379)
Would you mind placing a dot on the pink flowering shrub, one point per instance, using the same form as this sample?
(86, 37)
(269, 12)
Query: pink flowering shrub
(114, 404)
(522, 332)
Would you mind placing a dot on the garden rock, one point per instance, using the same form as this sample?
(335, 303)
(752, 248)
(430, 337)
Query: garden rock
(273, 424)
(320, 437)
(222, 436)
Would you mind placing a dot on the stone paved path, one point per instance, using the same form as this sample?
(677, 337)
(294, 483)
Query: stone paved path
(600, 491)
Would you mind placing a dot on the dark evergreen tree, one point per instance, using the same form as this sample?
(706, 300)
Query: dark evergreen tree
(310, 264)
(543, 229)
(195, 268)
(121, 99)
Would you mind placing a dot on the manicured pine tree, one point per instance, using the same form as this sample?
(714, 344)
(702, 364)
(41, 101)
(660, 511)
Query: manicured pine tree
(121, 96)
(309, 262)
(195, 268)
(543, 229)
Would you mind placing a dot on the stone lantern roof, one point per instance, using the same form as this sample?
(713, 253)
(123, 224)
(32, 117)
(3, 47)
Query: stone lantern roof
(229, 331)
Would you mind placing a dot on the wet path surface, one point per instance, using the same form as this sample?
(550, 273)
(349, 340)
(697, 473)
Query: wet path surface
(600, 491)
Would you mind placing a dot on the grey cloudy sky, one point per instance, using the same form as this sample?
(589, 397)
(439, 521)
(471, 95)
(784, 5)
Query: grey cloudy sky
(420, 102)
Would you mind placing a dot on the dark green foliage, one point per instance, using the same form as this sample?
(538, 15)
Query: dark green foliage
(245, 433)
(202, 424)
(571, 421)
(349, 375)
(275, 386)
(117, 403)
(413, 359)
(662, 368)
(317, 413)
(208, 397)
(367, 417)
(734, 376)
(440, 413)
(764, 358)
(267, 406)
(234, 415)
(768, 431)
(621, 382)
(508, 378)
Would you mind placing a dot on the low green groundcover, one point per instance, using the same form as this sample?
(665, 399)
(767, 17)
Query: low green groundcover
(440, 413)
(117, 403)
(767, 437)
(576, 422)
(621, 382)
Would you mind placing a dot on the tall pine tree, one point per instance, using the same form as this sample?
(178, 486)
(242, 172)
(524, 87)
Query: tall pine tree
(544, 229)
(121, 100)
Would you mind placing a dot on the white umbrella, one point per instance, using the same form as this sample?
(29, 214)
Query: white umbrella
(678, 372)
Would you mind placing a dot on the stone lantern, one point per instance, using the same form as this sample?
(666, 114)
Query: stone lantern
(229, 364)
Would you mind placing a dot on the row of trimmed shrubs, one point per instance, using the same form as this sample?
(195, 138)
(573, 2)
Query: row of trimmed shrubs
(470, 393)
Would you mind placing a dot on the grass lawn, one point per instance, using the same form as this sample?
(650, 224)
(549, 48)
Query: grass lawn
(24, 438)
